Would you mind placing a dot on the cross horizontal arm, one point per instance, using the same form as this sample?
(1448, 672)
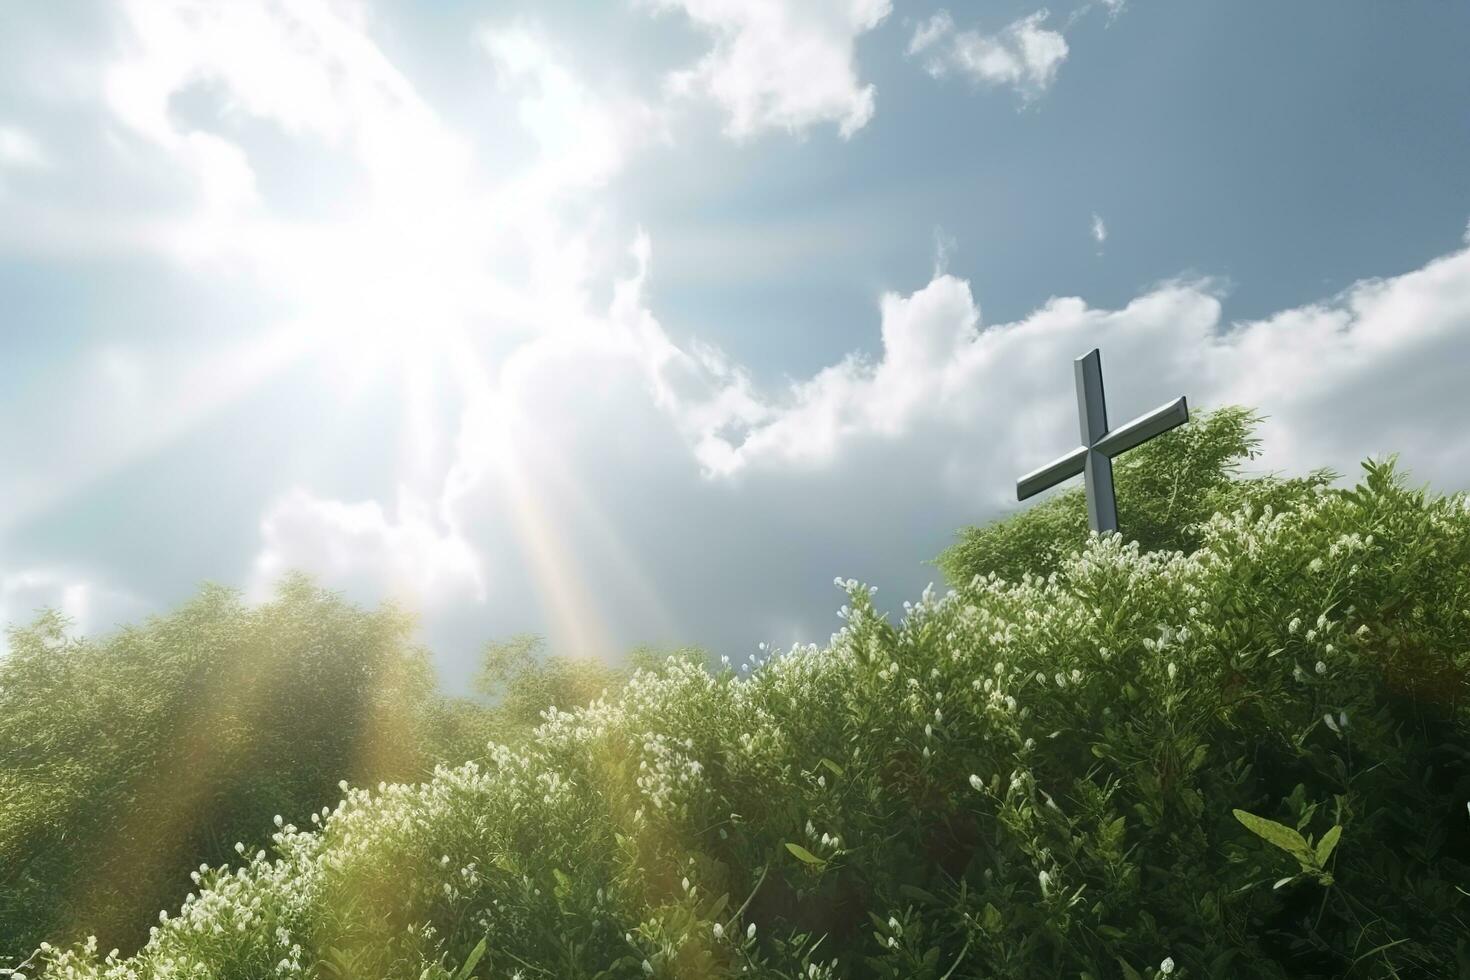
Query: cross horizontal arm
(1051, 474)
(1144, 428)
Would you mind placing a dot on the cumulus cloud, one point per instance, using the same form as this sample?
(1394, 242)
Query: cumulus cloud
(584, 136)
(1025, 55)
(621, 488)
(410, 555)
(778, 64)
(1328, 373)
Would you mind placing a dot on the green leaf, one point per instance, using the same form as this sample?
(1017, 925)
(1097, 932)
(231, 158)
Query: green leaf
(1327, 843)
(1276, 834)
(471, 960)
(802, 854)
(836, 769)
(914, 891)
(1128, 972)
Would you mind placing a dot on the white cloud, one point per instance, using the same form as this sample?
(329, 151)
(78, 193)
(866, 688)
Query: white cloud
(779, 64)
(930, 32)
(1099, 229)
(411, 556)
(1331, 375)
(616, 484)
(309, 69)
(584, 136)
(1025, 55)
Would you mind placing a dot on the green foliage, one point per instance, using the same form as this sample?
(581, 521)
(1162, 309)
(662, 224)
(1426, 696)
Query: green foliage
(1098, 773)
(1166, 490)
(131, 762)
(126, 762)
(522, 680)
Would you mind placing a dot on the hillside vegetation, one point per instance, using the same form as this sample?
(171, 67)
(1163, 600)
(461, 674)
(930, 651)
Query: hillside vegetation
(127, 761)
(1247, 759)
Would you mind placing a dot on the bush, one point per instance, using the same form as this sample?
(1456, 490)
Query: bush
(522, 680)
(1246, 761)
(125, 762)
(1166, 489)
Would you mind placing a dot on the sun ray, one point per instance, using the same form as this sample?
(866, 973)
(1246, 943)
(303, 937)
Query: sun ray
(205, 388)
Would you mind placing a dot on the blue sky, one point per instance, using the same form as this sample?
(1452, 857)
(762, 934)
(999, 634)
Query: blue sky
(637, 322)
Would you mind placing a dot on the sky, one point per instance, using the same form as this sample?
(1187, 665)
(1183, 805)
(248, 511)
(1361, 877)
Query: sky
(636, 322)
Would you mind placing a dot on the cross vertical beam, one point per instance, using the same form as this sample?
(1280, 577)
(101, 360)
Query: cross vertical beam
(1094, 458)
(1097, 471)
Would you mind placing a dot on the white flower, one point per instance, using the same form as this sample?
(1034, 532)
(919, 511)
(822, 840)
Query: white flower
(719, 931)
(750, 933)
(1321, 667)
(977, 782)
(1294, 625)
(1167, 966)
(1173, 670)
(278, 820)
(1327, 720)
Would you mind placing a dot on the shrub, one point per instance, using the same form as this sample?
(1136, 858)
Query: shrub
(1245, 761)
(126, 761)
(1166, 489)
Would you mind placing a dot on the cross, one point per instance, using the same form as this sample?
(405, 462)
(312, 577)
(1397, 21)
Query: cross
(1094, 458)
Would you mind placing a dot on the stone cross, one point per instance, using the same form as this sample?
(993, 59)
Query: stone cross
(1094, 458)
